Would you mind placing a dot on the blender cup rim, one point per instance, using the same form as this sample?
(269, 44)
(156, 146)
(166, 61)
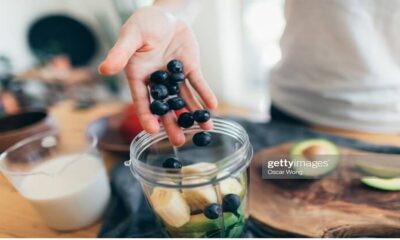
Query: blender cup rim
(240, 158)
(3, 156)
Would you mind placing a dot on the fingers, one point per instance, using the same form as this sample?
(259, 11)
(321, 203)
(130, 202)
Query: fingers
(193, 104)
(200, 85)
(129, 41)
(174, 132)
(142, 106)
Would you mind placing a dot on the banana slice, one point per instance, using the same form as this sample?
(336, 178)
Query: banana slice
(230, 185)
(198, 198)
(198, 168)
(170, 205)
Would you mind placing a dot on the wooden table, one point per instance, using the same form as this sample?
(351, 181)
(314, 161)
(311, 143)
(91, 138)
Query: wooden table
(19, 219)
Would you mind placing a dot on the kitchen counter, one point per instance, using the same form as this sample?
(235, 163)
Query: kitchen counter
(19, 219)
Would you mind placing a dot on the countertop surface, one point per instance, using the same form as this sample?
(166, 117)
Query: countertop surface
(19, 219)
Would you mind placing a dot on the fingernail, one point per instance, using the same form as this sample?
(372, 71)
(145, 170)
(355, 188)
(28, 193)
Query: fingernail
(99, 68)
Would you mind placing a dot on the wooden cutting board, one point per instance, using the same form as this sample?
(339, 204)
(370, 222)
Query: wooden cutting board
(331, 207)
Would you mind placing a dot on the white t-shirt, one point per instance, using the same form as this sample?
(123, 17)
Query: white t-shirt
(340, 64)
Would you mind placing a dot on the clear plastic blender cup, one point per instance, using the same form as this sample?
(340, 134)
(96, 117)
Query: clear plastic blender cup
(207, 197)
(62, 176)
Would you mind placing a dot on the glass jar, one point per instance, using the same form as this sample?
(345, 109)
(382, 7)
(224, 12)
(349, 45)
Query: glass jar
(207, 197)
(65, 181)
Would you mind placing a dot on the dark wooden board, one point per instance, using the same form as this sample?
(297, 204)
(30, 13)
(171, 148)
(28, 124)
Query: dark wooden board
(108, 133)
(331, 207)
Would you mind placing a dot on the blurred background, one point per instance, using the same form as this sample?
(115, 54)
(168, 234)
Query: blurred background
(51, 50)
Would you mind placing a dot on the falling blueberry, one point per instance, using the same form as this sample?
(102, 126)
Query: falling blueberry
(173, 89)
(176, 78)
(159, 77)
(175, 66)
(213, 211)
(172, 163)
(202, 139)
(231, 203)
(158, 91)
(159, 108)
(185, 120)
(201, 116)
(176, 103)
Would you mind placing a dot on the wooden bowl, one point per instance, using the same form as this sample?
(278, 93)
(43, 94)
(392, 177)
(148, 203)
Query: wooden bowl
(16, 127)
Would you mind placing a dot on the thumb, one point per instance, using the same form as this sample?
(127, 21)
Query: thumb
(128, 42)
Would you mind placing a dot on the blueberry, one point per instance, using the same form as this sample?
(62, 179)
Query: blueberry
(175, 66)
(176, 103)
(185, 120)
(172, 163)
(201, 116)
(231, 203)
(158, 91)
(177, 78)
(159, 108)
(213, 211)
(159, 77)
(173, 89)
(202, 139)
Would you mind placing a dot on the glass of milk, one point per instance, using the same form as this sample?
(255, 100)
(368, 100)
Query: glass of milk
(62, 176)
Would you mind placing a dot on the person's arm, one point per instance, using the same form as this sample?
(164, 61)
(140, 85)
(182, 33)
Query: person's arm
(148, 40)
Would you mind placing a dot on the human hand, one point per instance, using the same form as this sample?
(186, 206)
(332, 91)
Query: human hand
(149, 39)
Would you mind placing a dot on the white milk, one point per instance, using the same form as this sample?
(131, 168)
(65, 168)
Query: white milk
(74, 197)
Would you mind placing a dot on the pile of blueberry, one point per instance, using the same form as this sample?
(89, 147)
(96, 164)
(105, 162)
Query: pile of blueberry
(230, 203)
(164, 89)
